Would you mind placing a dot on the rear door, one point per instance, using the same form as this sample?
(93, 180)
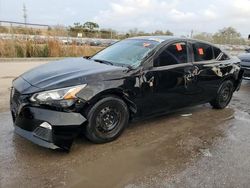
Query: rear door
(211, 64)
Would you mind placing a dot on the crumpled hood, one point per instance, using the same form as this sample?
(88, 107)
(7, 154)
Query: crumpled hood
(67, 72)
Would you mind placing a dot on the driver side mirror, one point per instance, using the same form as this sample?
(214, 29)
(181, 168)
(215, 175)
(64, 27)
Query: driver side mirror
(86, 57)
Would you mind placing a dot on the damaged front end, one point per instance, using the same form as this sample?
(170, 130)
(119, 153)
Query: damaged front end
(50, 126)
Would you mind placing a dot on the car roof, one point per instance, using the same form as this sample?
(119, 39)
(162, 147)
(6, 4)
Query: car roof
(165, 38)
(159, 38)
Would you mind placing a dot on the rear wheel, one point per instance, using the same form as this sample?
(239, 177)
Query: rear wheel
(224, 95)
(106, 120)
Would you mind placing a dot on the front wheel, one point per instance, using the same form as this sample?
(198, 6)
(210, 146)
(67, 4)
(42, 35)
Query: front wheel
(106, 120)
(224, 95)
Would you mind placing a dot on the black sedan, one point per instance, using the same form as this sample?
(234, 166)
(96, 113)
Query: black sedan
(245, 64)
(134, 78)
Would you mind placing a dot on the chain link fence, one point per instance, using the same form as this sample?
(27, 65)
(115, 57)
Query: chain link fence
(35, 40)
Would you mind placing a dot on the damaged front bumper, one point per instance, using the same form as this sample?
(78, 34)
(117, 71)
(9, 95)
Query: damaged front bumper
(47, 128)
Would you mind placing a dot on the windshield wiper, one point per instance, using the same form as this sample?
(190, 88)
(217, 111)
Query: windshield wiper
(103, 61)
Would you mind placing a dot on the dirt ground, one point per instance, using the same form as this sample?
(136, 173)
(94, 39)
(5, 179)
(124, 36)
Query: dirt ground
(209, 148)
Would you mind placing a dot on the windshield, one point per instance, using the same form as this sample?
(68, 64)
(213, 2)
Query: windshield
(129, 52)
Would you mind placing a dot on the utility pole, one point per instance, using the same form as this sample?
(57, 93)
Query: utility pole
(25, 16)
(25, 20)
(0, 10)
(111, 34)
(191, 34)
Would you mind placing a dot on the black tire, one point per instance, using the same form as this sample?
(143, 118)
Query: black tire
(106, 120)
(224, 95)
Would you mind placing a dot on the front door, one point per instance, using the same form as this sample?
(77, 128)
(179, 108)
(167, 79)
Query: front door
(171, 81)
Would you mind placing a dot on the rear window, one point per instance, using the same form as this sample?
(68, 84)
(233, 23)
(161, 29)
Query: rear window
(219, 55)
(202, 52)
(217, 52)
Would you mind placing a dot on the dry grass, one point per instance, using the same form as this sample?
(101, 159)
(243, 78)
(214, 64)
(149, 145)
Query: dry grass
(53, 48)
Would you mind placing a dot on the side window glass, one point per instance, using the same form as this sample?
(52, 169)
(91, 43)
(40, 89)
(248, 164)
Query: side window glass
(224, 57)
(219, 55)
(175, 53)
(202, 52)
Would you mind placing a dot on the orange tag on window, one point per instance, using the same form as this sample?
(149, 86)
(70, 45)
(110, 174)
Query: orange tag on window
(178, 47)
(146, 44)
(201, 52)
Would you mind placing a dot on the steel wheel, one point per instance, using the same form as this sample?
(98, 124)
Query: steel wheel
(106, 120)
(224, 95)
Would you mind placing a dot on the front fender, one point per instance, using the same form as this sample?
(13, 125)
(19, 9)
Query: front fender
(94, 92)
(91, 90)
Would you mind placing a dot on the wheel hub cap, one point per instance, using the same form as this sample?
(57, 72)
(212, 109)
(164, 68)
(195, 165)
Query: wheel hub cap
(107, 119)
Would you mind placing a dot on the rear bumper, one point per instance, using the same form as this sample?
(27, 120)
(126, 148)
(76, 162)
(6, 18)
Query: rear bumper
(59, 131)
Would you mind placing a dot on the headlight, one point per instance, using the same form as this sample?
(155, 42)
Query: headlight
(63, 94)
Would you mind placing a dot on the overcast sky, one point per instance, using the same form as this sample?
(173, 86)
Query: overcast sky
(178, 16)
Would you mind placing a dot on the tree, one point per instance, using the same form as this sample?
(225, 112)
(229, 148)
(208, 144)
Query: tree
(169, 33)
(76, 28)
(228, 35)
(91, 26)
(204, 36)
(77, 25)
(160, 32)
(88, 29)
(133, 32)
(107, 33)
